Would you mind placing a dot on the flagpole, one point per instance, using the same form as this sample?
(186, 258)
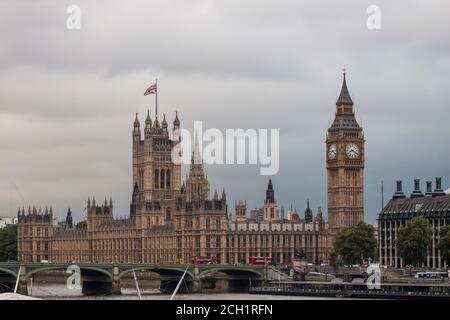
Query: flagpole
(156, 97)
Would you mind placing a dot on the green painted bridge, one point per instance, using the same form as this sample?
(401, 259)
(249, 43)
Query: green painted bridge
(107, 276)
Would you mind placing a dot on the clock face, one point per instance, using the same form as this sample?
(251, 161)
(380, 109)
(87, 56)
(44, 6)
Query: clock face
(332, 151)
(352, 151)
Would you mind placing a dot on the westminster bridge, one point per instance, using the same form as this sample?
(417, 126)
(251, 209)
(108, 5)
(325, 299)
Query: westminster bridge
(97, 278)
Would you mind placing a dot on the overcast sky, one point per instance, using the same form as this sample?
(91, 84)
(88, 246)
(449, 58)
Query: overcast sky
(68, 97)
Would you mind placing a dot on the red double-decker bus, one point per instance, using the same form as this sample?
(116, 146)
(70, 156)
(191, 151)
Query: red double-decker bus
(204, 260)
(259, 260)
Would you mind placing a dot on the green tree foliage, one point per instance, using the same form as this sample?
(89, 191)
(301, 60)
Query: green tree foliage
(444, 243)
(334, 259)
(8, 243)
(354, 244)
(413, 240)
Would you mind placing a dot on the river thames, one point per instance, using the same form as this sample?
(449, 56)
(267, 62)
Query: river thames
(60, 292)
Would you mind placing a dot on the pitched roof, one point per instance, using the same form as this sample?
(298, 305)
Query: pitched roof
(428, 206)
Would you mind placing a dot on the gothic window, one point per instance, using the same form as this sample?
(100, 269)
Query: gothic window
(218, 223)
(168, 179)
(162, 179)
(168, 213)
(156, 179)
(217, 241)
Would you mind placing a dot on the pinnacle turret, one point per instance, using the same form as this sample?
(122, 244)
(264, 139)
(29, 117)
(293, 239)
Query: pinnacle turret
(176, 121)
(148, 122)
(164, 122)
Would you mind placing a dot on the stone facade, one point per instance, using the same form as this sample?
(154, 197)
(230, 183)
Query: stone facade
(171, 221)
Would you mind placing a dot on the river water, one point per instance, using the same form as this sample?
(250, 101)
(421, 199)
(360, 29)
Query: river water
(60, 292)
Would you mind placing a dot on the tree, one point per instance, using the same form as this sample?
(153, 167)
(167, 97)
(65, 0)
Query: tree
(8, 243)
(355, 244)
(444, 244)
(413, 240)
(334, 259)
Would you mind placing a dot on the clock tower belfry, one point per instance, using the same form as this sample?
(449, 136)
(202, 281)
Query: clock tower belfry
(345, 165)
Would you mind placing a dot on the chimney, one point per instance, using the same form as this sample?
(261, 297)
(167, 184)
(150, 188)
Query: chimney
(438, 191)
(429, 191)
(416, 193)
(399, 193)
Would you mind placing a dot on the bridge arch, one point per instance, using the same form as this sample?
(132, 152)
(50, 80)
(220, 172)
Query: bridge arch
(64, 267)
(230, 270)
(9, 271)
(161, 270)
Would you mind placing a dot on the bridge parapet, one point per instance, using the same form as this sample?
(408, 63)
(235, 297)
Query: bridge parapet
(168, 272)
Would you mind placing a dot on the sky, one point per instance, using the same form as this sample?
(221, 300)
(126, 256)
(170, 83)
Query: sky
(68, 97)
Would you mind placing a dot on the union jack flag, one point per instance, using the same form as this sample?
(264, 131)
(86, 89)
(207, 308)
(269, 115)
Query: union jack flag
(151, 90)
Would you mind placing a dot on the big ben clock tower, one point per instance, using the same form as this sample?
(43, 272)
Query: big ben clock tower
(345, 165)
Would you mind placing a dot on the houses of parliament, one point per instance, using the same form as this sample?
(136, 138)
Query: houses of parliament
(171, 220)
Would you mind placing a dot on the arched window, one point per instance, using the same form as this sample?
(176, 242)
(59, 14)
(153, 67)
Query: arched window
(156, 179)
(162, 179)
(168, 179)
(168, 216)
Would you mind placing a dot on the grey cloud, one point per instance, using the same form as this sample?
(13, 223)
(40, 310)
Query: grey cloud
(68, 98)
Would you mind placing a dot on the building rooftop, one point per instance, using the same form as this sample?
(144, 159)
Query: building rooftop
(433, 204)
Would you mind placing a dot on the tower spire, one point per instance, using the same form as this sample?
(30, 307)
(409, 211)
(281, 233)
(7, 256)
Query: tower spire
(176, 121)
(136, 121)
(308, 213)
(344, 96)
(196, 156)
